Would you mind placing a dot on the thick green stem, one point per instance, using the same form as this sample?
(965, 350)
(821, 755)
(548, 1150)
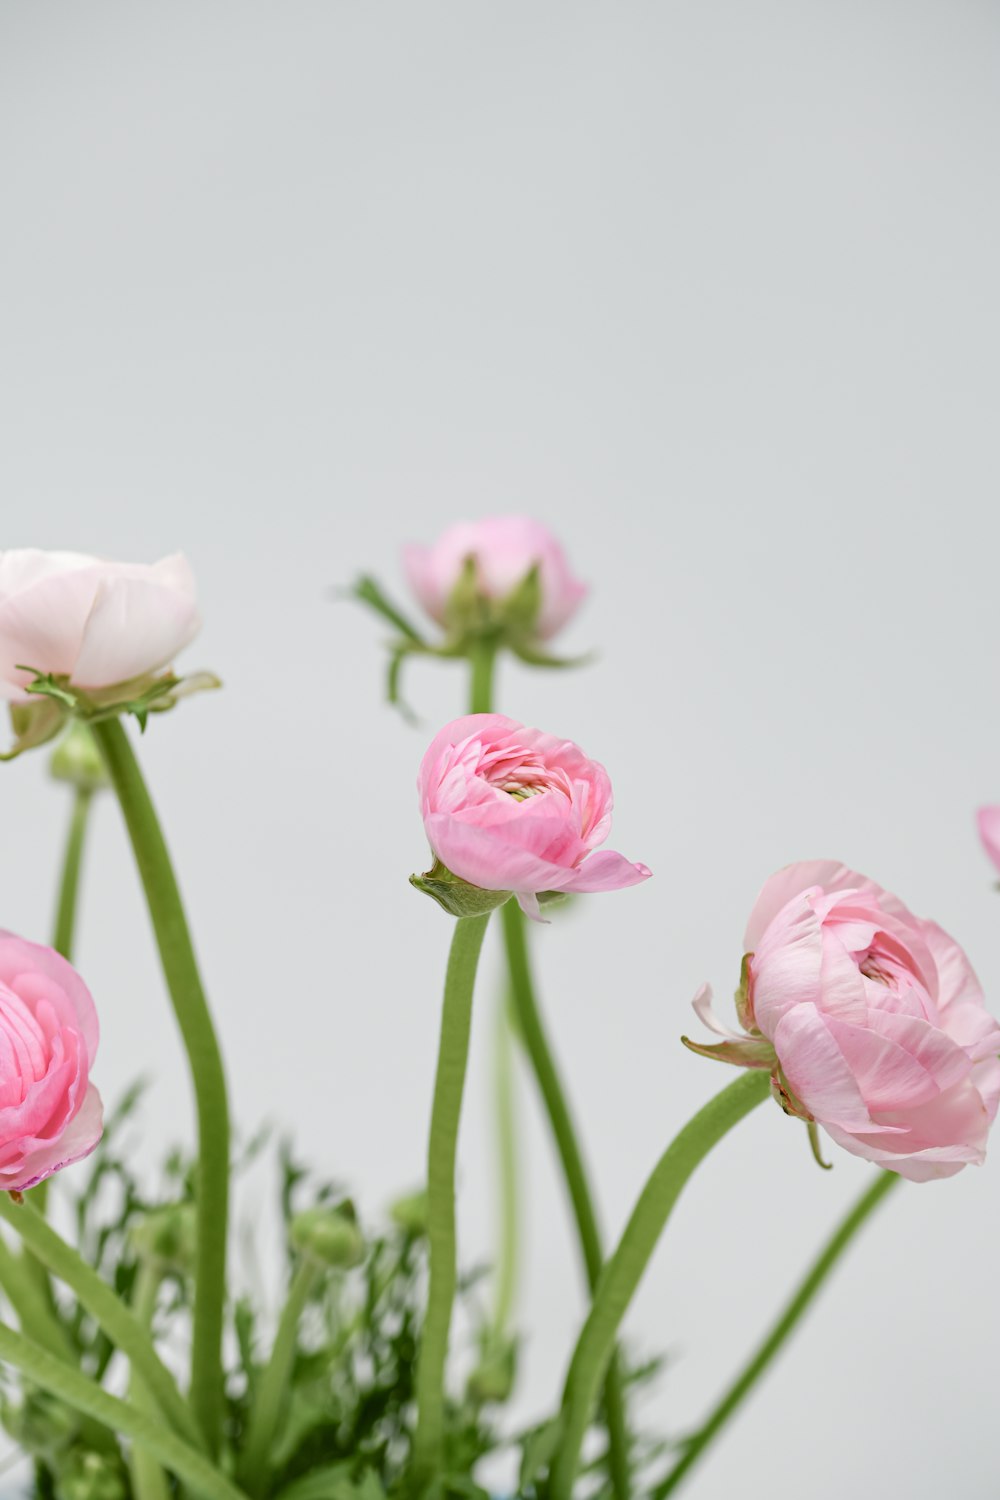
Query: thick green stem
(148, 1479)
(482, 659)
(272, 1392)
(536, 1043)
(624, 1271)
(775, 1339)
(507, 1208)
(86, 1396)
(449, 1084)
(124, 1330)
(180, 968)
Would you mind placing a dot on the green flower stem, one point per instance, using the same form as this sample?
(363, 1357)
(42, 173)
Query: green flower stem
(69, 885)
(121, 1327)
(536, 1043)
(180, 968)
(86, 1396)
(507, 1157)
(772, 1344)
(31, 1305)
(148, 1479)
(66, 906)
(625, 1269)
(272, 1392)
(449, 1083)
(482, 659)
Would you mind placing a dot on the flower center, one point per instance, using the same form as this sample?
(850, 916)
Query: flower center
(871, 970)
(521, 791)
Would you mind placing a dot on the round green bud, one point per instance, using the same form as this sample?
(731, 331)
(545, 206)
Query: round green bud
(91, 1476)
(329, 1236)
(410, 1212)
(167, 1237)
(76, 759)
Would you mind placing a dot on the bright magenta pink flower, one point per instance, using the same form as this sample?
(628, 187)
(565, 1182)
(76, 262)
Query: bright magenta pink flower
(97, 623)
(508, 808)
(50, 1112)
(876, 1020)
(505, 549)
(988, 819)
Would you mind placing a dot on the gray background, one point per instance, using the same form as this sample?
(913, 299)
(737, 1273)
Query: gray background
(712, 290)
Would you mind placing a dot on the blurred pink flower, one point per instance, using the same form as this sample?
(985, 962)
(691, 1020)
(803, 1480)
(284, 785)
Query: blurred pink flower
(505, 549)
(876, 1020)
(97, 623)
(50, 1113)
(988, 819)
(508, 808)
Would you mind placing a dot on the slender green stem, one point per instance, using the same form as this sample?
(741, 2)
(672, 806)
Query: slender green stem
(85, 1395)
(793, 1310)
(121, 1327)
(507, 1156)
(180, 968)
(272, 1392)
(69, 885)
(536, 1043)
(449, 1084)
(148, 1479)
(30, 1303)
(624, 1271)
(482, 659)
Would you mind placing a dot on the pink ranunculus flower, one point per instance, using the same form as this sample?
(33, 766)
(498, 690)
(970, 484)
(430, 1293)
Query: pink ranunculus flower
(988, 820)
(508, 808)
(50, 1112)
(875, 1020)
(96, 623)
(505, 549)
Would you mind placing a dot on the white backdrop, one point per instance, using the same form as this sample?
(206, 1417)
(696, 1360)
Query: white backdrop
(712, 290)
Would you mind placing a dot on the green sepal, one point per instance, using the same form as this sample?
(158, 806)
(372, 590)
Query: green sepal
(813, 1131)
(139, 697)
(520, 610)
(744, 1009)
(755, 1052)
(457, 897)
(533, 657)
(467, 611)
(366, 590)
(34, 724)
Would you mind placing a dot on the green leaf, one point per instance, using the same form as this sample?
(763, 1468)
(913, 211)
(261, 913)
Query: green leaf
(455, 896)
(367, 591)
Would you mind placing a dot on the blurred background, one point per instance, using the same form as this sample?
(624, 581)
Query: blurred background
(710, 289)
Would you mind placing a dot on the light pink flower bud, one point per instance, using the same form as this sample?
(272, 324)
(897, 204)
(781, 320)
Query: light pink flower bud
(50, 1113)
(504, 549)
(876, 1020)
(508, 808)
(96, 623)
(988, 819)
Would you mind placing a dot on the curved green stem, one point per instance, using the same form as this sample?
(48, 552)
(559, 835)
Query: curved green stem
(449, 1084)
(124, 1331)
(85, 1395)
(272, 1393)
(69, 885)
(624, 1271)
(543, 1063)
(180, 968)
(766, 1351)
(148, 1479)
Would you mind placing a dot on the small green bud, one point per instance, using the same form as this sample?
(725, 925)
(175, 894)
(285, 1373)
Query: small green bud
(168, 1237)
(455, 896)
(90, 1476)
(409, 1213)
(493, 1378)
(76, 759)
(329, 1236)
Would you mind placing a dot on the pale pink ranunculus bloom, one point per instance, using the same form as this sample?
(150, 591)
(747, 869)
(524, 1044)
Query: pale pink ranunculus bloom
(876, 1018)
(96, 623)
(50, 1112)
(505, 549)
(508, 808)
(988, 821)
